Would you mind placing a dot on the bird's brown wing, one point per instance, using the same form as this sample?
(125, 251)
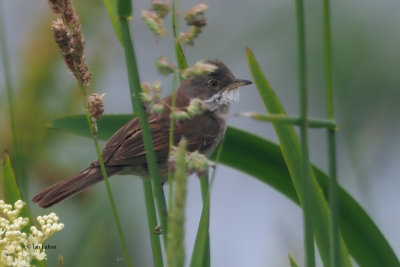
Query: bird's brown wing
(126, 146)
(119, 137)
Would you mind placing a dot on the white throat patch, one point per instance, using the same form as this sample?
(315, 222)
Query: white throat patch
(222, 98)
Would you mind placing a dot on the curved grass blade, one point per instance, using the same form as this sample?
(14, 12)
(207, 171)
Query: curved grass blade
(11, 191)
(180, 56)
(77, 124)
(205, 251)
(264, 161)
(292, 262)
(202, 237)
(291, 151)
(112, 9)
(124, 8)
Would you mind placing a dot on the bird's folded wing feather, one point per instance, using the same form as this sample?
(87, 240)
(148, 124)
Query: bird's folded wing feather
(126, 146)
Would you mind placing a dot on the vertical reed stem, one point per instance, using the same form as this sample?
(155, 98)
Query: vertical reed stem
(307, 197)
(134, 84)
(152, 223)
(105, 176)
(335, 256)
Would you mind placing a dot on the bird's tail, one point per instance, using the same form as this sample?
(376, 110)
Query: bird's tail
(71, 186)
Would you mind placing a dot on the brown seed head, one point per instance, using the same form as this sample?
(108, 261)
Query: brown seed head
(62, 36)
(57, 6)
(161, 8)
(96, 105)
(84, 74)
(164, 66)
(187, 38)
(154, 22)
(195, 15)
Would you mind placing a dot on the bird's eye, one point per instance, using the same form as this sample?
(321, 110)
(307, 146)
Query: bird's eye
(213, 84)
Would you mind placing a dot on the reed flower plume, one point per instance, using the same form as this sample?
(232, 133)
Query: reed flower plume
(176, 216)
(67, 32)
(194, 18)
(96, 108)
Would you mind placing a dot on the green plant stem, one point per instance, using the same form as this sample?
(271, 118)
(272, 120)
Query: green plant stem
(204, 184)
(20, 168)
(328, 59)
(134, 84)
(176, 216)
(205, 187)
(312, 122)
(180, 56)
(107, 183)
(201, 255)
(335, 252)
(175, 26)
(152, 223)
(171, 138)
(180, 59)
(307, 199)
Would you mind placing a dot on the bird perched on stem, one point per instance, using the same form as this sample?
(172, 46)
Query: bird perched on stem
(124, 152)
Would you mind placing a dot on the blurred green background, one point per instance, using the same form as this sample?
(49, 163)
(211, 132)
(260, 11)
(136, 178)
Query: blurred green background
(251, 224)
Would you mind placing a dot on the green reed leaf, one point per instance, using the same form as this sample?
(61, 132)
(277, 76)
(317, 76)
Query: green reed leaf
(124, 8)
(112, 8)
(292, 262)
(291, 151)
(264, 161)
(11, 191)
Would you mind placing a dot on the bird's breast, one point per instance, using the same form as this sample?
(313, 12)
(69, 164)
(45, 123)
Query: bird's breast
(221, 119)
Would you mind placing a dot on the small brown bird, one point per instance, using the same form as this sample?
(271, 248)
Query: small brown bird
(124, 152)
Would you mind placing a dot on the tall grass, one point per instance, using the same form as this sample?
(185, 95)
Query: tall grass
(305, 161)
(335, 252)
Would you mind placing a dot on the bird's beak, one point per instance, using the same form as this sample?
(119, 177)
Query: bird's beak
(237, 83)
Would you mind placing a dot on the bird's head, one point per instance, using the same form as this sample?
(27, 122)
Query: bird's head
(217, 89)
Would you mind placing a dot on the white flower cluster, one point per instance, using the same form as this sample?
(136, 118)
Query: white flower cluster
(18, 248)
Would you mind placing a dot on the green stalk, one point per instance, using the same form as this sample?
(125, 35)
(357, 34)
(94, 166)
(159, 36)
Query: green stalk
(93, 132)
(181, 60)
(335, 252)
(180, 56)
(176, 216)
(175, 26)
(204, 184)
(205, 187)
(171, 138)
(201, 255)
(152, 222)
(312, 123)
(105, 176)
(134, 84)
(307, 208)
(20, 168)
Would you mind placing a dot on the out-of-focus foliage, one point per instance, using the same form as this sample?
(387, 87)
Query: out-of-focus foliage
(365, 50)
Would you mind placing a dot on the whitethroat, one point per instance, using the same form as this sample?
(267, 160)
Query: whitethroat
(124, 152)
